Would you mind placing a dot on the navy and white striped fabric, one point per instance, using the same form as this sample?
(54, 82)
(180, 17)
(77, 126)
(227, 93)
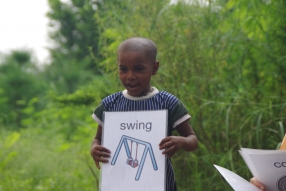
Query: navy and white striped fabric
(161, 100)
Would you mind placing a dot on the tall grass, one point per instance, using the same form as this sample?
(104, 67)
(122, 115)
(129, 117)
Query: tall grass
(44, 160)
(261, 128)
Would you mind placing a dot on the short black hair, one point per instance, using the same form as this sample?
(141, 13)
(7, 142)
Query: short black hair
(139, 44)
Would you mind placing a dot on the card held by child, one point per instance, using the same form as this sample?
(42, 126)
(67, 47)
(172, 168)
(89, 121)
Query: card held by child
(135, 161)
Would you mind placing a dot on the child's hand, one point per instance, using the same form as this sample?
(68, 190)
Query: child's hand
(99, 154)
(171, 145)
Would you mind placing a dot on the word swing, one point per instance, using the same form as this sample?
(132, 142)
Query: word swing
(136, 126)
(134, 163)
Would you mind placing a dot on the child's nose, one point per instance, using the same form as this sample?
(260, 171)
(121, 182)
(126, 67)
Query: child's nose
(130, 75)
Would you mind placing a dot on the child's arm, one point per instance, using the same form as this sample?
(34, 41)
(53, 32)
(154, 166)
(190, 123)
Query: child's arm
(188, 140)
(98, 152)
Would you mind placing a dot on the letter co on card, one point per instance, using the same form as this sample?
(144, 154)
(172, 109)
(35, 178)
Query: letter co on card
(135, 162)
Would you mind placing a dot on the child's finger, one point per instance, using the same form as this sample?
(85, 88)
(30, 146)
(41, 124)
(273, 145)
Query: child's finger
(100, 159)
(97, 164)
(169, 150)
(166, 144)
(165, 140)
(102, 154)
(103, 149)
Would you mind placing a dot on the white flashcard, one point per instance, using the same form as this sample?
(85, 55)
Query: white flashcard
(267, 166)
(135, 162)
(235, 181)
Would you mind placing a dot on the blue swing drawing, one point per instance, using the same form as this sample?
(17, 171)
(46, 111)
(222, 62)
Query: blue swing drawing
(130, 161)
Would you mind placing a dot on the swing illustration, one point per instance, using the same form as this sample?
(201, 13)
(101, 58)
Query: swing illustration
(130, 161)
(134, 162)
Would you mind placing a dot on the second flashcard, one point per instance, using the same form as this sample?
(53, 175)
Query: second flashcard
(135, 162)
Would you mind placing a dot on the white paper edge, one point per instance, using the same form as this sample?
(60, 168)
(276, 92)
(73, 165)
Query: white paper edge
(241, 182)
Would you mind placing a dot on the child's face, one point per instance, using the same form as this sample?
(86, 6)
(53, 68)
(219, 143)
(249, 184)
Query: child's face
(135, 71)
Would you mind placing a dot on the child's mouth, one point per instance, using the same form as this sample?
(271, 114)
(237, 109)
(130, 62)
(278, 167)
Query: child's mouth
(132, 86)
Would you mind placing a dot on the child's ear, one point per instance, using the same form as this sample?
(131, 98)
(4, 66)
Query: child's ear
(155, 68)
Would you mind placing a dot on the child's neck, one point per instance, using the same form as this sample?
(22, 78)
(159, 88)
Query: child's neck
(152, 92)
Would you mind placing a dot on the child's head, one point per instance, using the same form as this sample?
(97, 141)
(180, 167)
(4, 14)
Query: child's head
(136, 59)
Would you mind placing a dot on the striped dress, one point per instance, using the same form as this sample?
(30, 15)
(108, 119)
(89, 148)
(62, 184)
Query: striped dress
(157, 100)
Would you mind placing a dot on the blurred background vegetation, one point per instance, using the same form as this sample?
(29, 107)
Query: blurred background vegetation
(225, 59)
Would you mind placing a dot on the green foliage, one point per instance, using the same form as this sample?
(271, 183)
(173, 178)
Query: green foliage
(74, 30)
(19, 82)
(225, 60)
(43, 160)
(92, 93)
(74, 33)
(5, 155)
(65, 76)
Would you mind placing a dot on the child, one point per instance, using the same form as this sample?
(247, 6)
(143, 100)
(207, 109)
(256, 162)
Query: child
(136, 60)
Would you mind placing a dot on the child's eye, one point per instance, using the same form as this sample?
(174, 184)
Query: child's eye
(123, 69)
(139, 69)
